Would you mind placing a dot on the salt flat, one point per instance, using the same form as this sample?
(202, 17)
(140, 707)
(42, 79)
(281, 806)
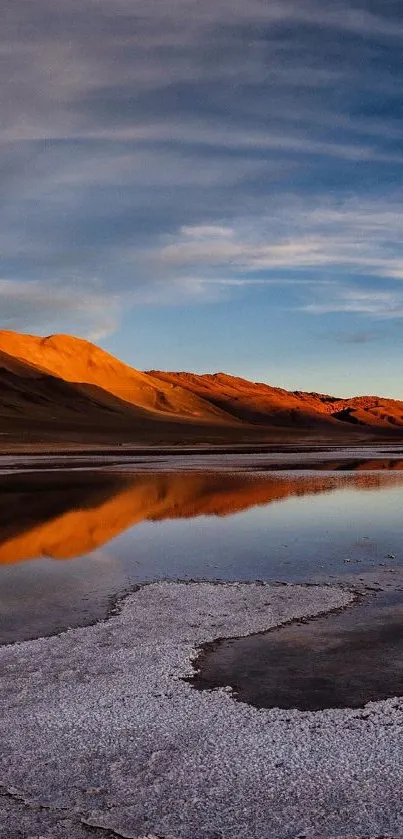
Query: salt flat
(101, 736)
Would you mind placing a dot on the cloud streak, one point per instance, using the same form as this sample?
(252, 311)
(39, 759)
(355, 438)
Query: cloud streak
(377, 304)
(361, 239)
(155, 153)
(39, 304)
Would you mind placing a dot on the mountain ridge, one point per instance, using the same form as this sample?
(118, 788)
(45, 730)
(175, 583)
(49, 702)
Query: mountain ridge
(64, 388)
(253, 398)
(82, 362)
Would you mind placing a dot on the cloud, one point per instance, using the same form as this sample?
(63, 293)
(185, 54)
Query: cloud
(36, 305)
(365, 239)
(184, 151)
(376, 304)
(206, 231)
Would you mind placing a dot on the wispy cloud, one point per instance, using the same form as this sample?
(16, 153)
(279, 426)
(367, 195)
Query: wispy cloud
(376, 304)
(361, 238)
(187, 150)
(37, 305)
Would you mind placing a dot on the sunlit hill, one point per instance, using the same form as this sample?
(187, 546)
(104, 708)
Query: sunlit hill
(65, 389)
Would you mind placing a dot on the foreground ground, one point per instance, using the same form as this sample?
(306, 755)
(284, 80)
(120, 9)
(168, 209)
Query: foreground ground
(102, 737)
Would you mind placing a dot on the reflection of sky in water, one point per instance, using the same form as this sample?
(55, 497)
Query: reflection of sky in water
(296, 538)
(291, 539)
(45, 596)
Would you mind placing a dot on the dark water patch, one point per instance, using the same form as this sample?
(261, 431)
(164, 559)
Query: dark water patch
(341, 660)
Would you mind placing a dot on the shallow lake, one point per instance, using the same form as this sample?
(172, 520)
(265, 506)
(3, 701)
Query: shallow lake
(71, 541)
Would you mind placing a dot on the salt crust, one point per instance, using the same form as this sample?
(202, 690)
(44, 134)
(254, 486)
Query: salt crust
(98, 729)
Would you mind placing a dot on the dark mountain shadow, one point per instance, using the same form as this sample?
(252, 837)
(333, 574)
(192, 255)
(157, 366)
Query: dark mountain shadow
(37, 406)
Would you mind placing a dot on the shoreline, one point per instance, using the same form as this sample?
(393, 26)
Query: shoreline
(276, 455)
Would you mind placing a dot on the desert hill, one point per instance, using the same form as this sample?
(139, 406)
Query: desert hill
(360, 410)
(78, 361)
(251, 402)
(67, 390)
(259, 403)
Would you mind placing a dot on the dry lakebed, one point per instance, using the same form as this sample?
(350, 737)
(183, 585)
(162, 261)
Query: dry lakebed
(103, 734)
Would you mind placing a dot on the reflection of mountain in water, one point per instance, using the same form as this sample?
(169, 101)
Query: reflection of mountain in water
(66, 515)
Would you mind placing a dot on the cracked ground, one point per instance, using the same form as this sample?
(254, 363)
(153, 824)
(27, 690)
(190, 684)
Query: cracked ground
(102, 735)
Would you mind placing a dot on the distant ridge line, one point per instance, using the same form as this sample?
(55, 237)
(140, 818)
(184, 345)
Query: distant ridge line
(61, 387)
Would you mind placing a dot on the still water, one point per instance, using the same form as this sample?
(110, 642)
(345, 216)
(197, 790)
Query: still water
(72, 541)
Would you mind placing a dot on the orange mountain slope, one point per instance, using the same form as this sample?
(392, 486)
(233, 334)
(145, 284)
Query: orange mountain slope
(36, 406)
(65, 389)
(261, 404)
(359, 410)
(25, 388)
(250, 402)
(81, 362)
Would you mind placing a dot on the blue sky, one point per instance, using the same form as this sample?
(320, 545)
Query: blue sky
(209, 185)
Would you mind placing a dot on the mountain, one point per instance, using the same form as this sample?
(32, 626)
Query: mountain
(261, 404)
(65, 390)
(77, 361)
(359, 410)
(250, 402)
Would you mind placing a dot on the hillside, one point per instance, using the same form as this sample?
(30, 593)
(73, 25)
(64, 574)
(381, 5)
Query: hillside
(250, 402)
(261, 404)
(359, 410)
(78, 361)
(63, 390)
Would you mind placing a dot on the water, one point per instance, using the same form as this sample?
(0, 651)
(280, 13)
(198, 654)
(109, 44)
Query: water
(73, 540)
(341, 660)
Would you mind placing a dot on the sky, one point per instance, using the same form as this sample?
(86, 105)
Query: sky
(208, 185)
